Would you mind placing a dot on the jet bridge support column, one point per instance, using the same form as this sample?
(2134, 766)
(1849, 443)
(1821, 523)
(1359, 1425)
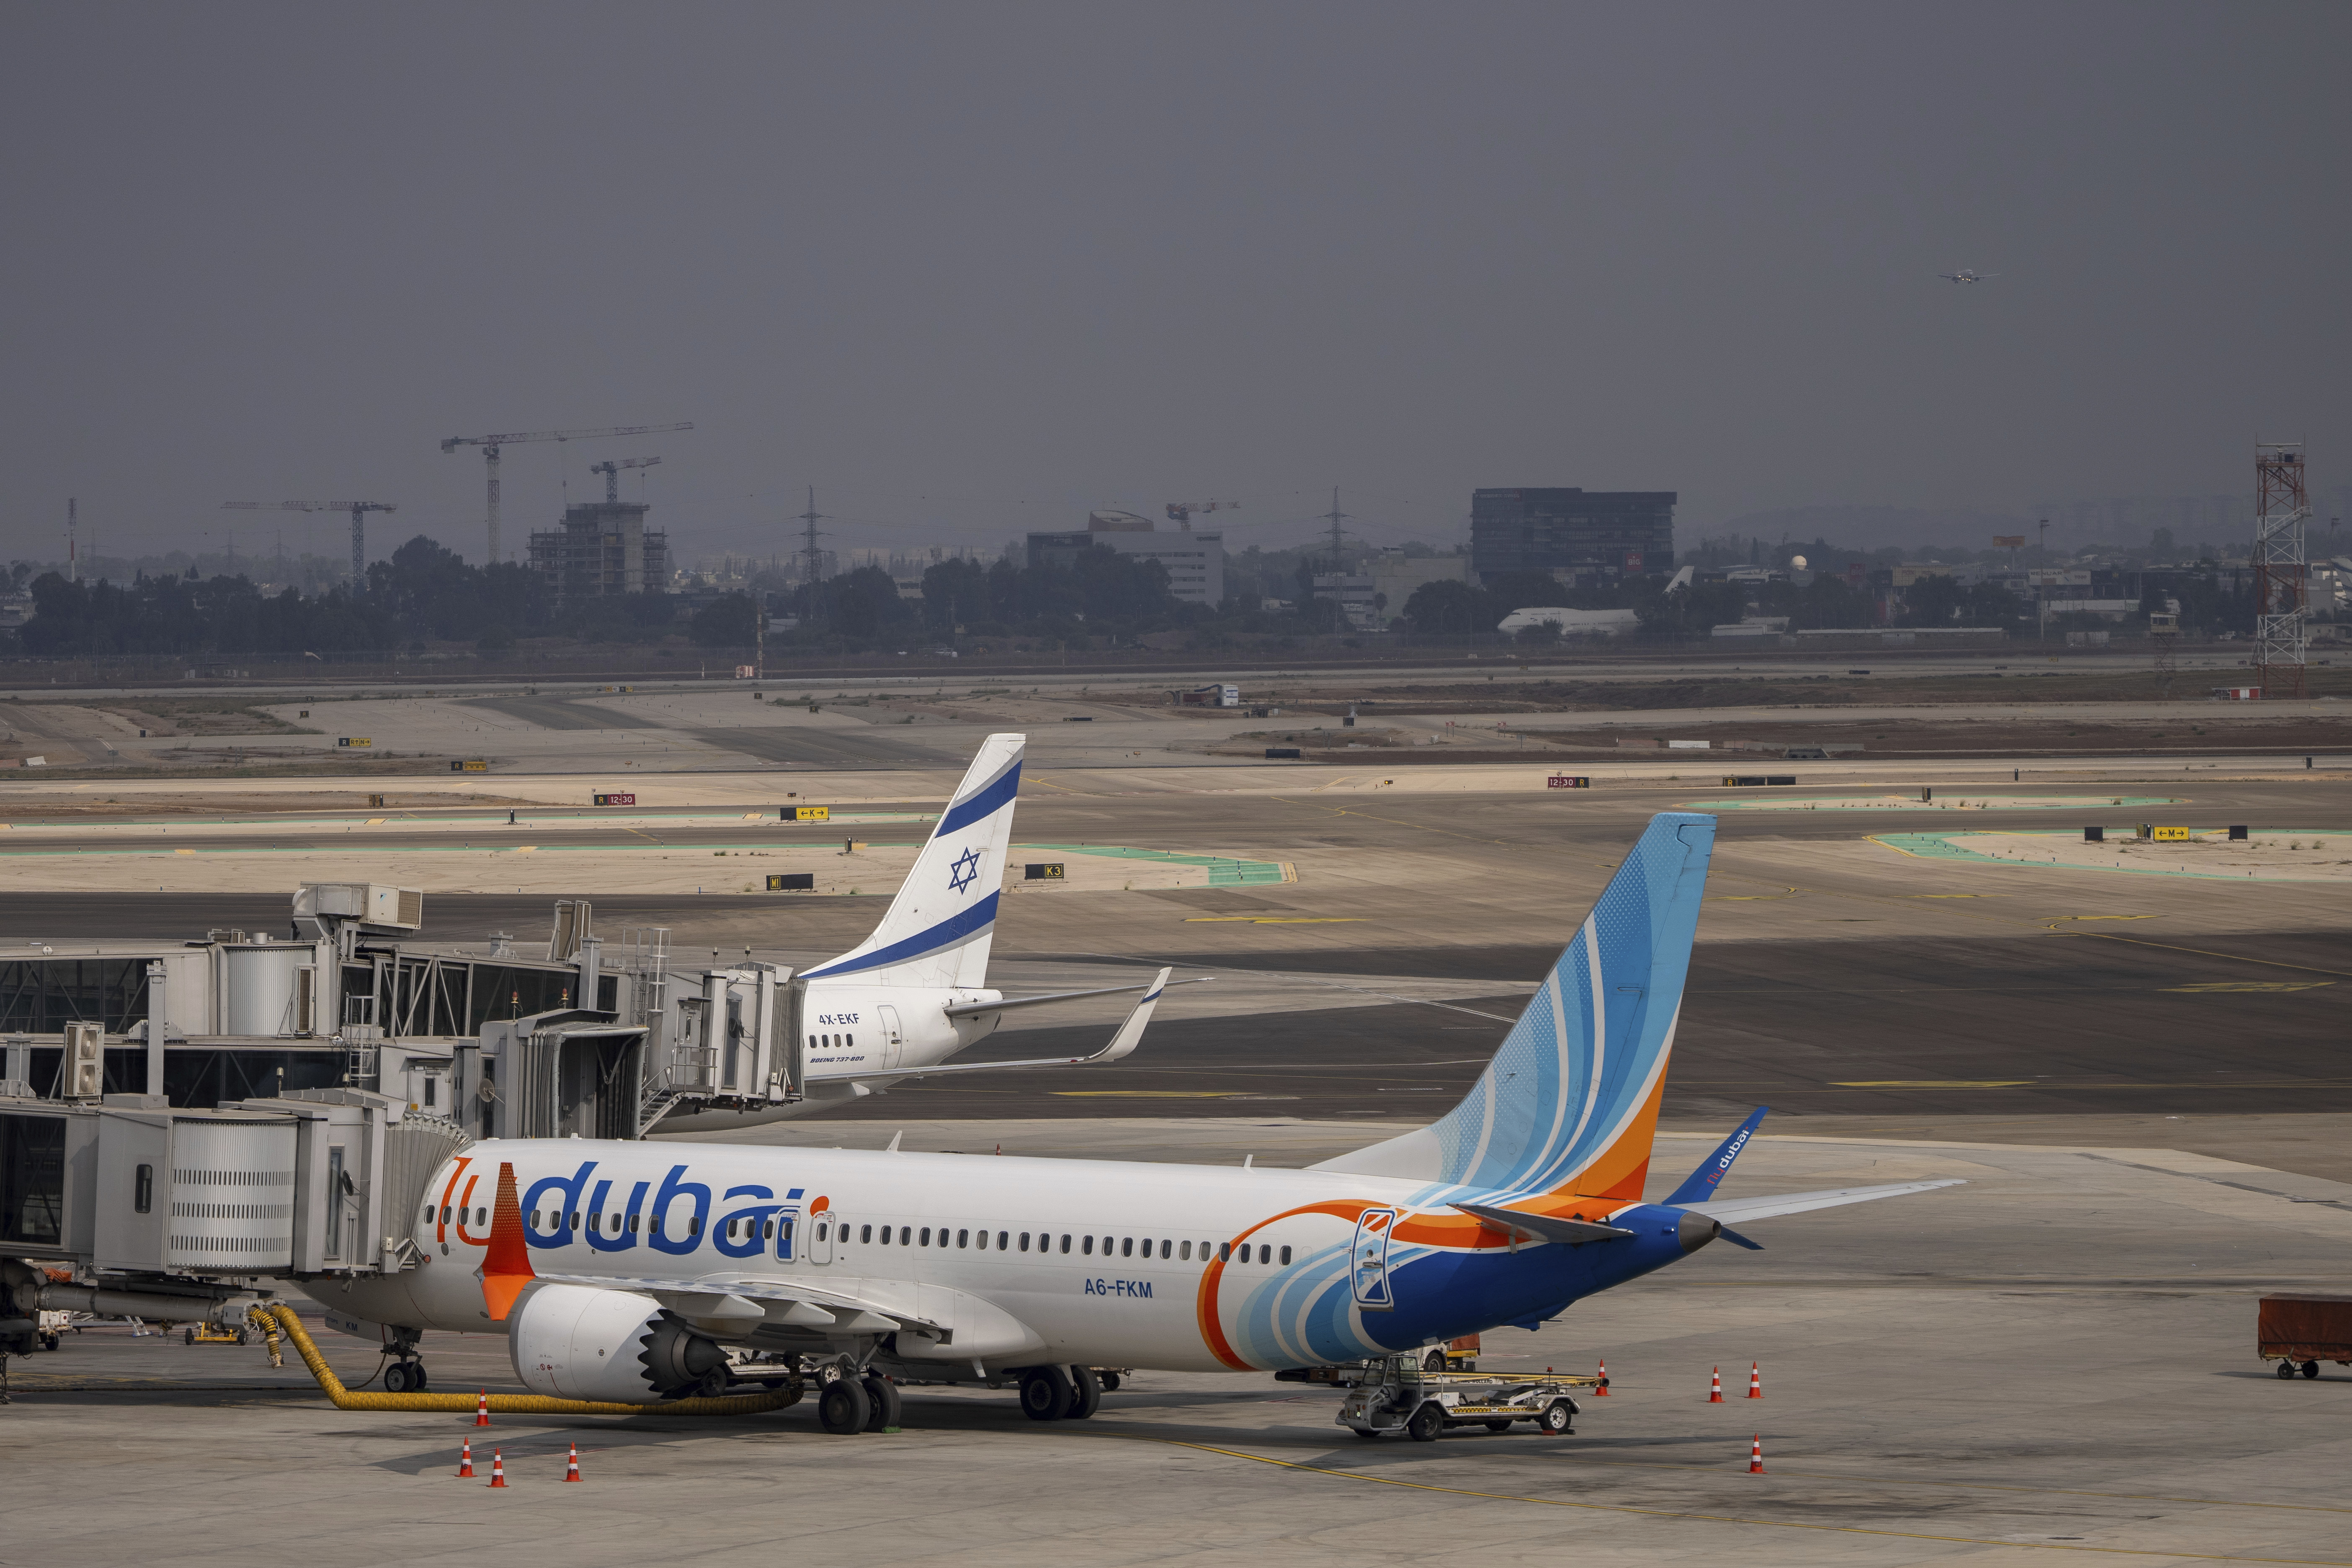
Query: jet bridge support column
(158, 1028)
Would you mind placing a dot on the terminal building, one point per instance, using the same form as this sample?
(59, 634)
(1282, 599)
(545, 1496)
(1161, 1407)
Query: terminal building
(603, 548)
(1195, 561)
(1584, 538)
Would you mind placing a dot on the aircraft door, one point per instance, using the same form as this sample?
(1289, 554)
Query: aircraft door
(788, 1224)
(891, 1037)
(1368, 1270)
(822, 1224)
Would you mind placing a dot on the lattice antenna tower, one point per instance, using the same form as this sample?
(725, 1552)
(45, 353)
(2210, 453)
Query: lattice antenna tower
(2281, 570)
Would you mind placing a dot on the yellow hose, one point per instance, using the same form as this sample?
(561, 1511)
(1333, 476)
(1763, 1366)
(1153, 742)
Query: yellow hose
(514, 1403)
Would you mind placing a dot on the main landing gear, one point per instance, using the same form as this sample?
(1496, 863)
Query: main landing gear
(1060, 1393)
(859, 1401)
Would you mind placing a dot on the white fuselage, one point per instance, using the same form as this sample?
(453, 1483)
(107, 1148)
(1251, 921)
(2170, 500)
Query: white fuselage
(1026, 1260)
(854, 1033)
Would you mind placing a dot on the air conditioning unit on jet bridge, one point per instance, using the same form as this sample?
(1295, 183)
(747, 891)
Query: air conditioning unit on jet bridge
(374, 905)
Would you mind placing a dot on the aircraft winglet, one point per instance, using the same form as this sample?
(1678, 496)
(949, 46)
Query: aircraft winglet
(1702, 1182)
(506, 1261)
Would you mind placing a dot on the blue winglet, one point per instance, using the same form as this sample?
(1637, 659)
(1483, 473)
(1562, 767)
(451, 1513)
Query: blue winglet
(1702, 1182)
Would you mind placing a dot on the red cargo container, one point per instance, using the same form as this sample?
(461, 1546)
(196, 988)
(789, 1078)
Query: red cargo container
(2299, 1330)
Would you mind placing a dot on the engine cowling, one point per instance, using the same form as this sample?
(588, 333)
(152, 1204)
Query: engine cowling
(571, 1342)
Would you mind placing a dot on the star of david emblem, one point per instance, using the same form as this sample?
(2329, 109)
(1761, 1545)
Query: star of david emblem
(965, 871)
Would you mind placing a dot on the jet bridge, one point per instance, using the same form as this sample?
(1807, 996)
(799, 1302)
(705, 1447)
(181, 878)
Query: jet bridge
(130, 1206)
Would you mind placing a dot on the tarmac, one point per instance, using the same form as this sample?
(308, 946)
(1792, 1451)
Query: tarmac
(2056, 1358)
(2139, 1075)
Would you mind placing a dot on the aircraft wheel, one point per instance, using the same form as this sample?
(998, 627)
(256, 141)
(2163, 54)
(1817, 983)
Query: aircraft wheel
(1554, 1418)
(416, 1377)
(1427, 1424)
(1045, 1394)
(1109, 1383)
(883, 1395)
(842, 1407)
(2310, 1369)
(1086, 1393)
(2286, 1368)
(395, 1378)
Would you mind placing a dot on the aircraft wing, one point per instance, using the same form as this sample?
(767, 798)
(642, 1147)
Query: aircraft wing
(805, 1306)
(1123, 1043)
(1739, 1211)
(1006, 1004)
(1542, 1227)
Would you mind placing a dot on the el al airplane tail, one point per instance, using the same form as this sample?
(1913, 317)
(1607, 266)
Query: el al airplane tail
(1570, 1104)
(940, 927)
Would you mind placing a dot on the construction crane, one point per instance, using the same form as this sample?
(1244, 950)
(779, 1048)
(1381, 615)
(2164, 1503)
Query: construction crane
(490, 445)
(612, 472)
(1181, 512)
(358, 511)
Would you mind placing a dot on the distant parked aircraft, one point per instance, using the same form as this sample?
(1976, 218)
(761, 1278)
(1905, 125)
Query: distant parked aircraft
(1968, 275)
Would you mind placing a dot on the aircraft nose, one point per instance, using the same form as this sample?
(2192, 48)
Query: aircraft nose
(1695, 1230)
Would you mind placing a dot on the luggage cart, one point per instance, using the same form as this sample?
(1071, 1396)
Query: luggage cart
(1396, 1393)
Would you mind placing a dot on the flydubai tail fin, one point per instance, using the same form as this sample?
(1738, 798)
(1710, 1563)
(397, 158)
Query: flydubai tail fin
(939, 928)
(1570, 1104)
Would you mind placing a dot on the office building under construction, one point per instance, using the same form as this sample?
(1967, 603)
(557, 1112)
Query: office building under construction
(603, 548)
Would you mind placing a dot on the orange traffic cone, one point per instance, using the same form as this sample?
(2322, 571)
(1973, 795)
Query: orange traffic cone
(1600, 1389)
(1756, 1456)
(482, 1410)
(497, 1469)
(571, 1465)
(1715, 1387)
(466, 1460)
(1755, 1381)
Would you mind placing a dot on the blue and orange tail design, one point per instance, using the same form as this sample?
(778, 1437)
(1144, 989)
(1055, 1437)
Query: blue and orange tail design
(1570, 1104)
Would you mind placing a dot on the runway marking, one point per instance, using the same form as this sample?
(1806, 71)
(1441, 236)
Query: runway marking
(1959, 895)
(1735, 1519)
(2169, 947)
(2264, 985)
(1277, 920)
(1165, 1094)
(1754, 897)
(1936, 1083)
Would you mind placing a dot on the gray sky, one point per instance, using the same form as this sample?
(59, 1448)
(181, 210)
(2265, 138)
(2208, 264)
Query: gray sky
(972, 269)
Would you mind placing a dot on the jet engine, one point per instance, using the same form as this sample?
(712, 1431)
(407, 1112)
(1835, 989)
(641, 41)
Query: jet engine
(574, 1343)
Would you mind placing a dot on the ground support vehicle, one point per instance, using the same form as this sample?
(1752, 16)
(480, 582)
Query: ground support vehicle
(1395, 1394)
(51, 1327)
(207, 1333)
(2299, 1331)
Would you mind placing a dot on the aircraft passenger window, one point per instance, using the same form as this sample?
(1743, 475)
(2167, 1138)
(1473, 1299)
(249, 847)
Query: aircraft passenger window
(865, 1231)
(849, 1040)
(575, 1219)
(1164, 1246)
(812, 1042)
(1025, 1241)
(428, 1213)
(963, 1238)
(1065, 1244)
(927, 1236)
(886, 1235)
(1090, 1245)
(983, 1241)
(902, 1235)
(821, 1229)
(694, 1226)
(634, 1220)
(1184, 1253)
(481, 1216)
(1224, 1252)
(768, 1231)
(1285, 1255)
(1000, 1241)
(1128, 1250)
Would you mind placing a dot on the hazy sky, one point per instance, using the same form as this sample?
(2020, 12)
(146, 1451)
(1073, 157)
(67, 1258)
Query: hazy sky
(974, 268)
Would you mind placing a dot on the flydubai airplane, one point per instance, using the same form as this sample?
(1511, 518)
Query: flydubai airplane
(621, 1271)
(916, 992)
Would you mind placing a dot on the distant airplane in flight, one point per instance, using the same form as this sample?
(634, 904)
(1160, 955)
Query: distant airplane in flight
(1968, 275)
